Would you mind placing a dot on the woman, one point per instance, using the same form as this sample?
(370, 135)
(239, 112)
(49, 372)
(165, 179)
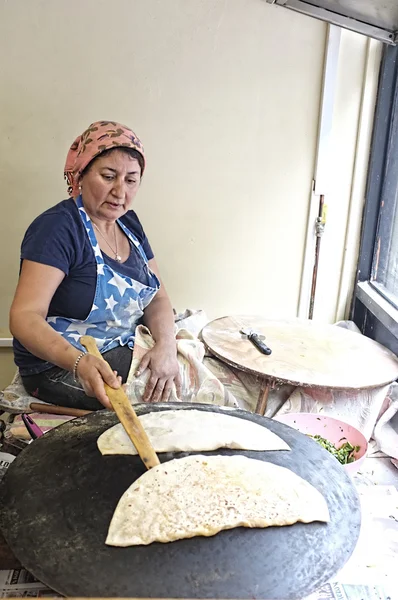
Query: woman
(87, 269)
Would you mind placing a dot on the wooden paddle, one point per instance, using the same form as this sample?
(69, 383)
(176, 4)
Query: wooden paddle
(126, 413)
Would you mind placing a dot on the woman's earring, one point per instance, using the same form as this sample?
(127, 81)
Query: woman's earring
(80, 188)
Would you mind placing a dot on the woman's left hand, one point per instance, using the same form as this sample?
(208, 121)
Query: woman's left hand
(162, 362)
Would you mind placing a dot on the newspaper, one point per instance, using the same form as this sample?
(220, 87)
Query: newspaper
(370, 573)
(347, 591)
(18, 583)
(5, 461)
(374, 560)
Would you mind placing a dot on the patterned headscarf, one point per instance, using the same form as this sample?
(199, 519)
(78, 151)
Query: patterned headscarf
(100, 136)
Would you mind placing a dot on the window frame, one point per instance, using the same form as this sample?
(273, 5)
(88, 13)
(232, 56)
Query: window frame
(372, 308)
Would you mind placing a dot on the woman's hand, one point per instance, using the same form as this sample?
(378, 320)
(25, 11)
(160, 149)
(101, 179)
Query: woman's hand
(92, 373)
(163, 364)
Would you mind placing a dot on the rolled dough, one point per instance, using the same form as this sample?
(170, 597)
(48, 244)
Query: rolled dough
(202, 495)
(192, 431)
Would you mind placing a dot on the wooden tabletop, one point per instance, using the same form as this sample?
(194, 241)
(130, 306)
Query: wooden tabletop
(303, 352)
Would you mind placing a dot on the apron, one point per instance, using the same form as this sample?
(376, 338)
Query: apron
(119, 301)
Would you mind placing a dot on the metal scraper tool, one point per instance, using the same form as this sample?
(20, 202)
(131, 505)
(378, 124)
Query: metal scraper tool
(257, 340)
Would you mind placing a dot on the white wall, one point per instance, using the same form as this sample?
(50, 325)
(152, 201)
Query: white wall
(358, 68)
(225, 96)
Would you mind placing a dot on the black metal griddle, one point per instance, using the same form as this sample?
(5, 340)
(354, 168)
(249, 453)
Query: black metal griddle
(59, 495)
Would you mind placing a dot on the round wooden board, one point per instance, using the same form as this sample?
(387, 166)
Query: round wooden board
(303, 352)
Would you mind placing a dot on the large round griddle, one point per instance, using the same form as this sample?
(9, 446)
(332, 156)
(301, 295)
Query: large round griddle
(59, 495)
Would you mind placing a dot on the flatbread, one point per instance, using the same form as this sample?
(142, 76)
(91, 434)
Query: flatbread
(202, 495)
(192, 431)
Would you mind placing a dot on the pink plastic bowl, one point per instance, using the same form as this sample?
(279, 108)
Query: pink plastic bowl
(330, 429)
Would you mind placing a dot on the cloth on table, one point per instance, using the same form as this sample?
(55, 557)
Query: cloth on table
(245, 387)
(359, 408)
(206, 379)
(15, 399)
(386, 431)
(198, 384)
(192, 320)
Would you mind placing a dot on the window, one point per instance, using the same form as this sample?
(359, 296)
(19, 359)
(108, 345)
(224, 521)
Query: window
(384, 274)
(375, 305)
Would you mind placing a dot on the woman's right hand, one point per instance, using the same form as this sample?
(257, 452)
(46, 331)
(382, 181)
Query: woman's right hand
(92, 373)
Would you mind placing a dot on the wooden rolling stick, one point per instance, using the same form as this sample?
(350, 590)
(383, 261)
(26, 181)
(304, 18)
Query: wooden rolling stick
(126, 413)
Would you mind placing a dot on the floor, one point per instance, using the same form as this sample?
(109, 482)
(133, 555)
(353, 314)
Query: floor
(378, 471)
(370, 573)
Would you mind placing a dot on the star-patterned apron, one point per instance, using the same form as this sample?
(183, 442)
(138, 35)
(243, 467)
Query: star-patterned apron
(119, 301)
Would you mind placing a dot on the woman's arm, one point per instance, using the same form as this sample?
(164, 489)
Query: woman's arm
(36, 287)
(158, 316)
(162, 359)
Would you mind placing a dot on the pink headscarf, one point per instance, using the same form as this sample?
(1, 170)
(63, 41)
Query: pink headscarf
(100, 136)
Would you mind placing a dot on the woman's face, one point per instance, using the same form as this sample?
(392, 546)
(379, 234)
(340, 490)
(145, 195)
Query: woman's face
(110, 185)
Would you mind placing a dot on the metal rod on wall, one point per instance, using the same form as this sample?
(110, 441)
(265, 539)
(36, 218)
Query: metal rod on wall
(319, 229)
(321, 179)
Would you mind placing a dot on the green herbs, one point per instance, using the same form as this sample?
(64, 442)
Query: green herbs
(344, 454)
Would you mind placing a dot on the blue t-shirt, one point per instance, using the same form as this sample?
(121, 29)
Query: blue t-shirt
(58, 238)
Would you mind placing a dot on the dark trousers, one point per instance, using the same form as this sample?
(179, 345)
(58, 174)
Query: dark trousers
(57, 386)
